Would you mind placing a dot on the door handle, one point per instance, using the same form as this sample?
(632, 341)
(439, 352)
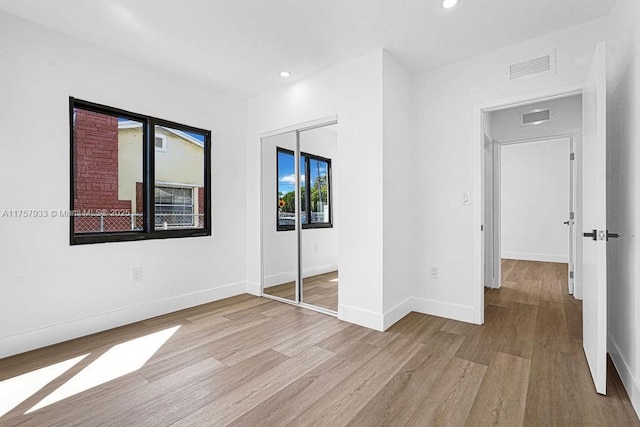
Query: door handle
(566, 223)
(593, 235)
(607, 236)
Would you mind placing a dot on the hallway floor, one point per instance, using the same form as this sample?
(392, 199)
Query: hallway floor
(534, 318)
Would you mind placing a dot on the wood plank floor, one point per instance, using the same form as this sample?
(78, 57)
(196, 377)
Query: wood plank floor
(320, 290)
(250, 361)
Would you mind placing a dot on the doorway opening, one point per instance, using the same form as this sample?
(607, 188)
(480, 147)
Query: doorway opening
(299, 225)
(531, 191)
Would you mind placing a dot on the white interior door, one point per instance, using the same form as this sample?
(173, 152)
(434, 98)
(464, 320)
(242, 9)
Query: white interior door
(594, 249)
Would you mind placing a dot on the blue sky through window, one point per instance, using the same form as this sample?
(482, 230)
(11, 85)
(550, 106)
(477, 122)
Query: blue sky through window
(197, 136)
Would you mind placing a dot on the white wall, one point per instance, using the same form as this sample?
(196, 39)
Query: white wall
(52, 291)
(353, 92)
(399, 173)
(623, 193)
(448, 145)
(534, 187)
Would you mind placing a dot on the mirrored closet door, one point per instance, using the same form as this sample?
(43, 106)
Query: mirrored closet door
(319, 235)
(299, 221)
(279, 225)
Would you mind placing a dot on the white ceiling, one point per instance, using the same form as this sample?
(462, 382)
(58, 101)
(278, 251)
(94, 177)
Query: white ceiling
(240, 46)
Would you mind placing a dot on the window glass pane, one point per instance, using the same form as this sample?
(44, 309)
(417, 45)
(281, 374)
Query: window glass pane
(107, 157)
(319, 186)
(286, 189)
(179, 179)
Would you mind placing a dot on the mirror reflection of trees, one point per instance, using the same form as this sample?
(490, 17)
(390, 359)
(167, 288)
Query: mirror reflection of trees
(319, 196)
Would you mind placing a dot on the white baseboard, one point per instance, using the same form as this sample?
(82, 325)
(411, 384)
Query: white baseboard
(397, 313)
(527, 256)
(380, 322)
(630, 382)
(463, 313)
(365, 318)
(37, 338)
(254, 288)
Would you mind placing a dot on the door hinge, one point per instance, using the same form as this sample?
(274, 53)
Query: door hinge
(482, 228)
(572, 215)
(572, 156)
(571, 275)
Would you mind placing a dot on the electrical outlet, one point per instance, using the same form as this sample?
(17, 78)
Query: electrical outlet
(136, 274)
(434, 272)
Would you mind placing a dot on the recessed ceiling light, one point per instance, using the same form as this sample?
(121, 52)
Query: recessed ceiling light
(448, 4)
(284, 74)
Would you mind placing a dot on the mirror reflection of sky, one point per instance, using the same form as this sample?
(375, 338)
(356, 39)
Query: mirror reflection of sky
(286, 172)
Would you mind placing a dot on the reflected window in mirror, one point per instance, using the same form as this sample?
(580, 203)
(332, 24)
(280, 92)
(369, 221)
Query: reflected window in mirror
(315, 181)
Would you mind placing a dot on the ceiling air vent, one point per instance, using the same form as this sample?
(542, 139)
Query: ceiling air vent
(535, 67)
(536, 117)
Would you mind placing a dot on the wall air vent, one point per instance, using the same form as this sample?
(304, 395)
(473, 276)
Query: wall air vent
(536, 117)
(536, 67)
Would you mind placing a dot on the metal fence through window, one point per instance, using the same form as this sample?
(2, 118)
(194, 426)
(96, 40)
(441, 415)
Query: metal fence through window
(104, 223)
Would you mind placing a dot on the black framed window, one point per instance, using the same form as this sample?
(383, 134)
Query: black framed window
(315, 190)
(136, 177)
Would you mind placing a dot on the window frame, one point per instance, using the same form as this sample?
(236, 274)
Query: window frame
(307, 186)
(148, 232)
